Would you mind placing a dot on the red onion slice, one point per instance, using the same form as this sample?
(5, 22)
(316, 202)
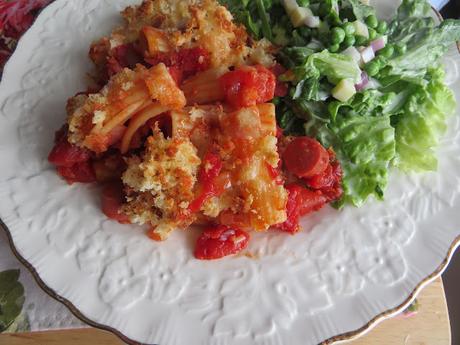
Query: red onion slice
(364, 81)
(378, 44)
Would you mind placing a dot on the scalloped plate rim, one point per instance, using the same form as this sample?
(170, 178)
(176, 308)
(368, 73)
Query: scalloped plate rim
(344, 337)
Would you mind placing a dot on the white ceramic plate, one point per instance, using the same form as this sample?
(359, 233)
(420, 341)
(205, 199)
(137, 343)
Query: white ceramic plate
(333, 281)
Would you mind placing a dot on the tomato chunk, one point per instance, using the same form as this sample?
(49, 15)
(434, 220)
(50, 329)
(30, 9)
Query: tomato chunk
(301, 201)
(305, 157)
(80, 172)
(210, 170)
(193, 60)
(176, 74)
(328, 182)
(247, 86)
(122, 56)
(219, 241)
(65, 154)
(185, 63)
(112, 200)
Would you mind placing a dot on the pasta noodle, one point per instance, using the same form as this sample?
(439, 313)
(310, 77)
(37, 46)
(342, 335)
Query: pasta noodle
(155, 41)
(138, 120)
(187, 144)
(205, 87)
(123, 116)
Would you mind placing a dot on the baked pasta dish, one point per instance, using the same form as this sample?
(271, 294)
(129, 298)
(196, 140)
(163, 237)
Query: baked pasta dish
(180, 128)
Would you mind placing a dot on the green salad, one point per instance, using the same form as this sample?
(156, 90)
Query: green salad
(371, 89)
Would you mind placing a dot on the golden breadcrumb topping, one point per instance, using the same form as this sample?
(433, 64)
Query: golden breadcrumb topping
(161, 181)
(167, 164)
(186, 24)
(163, 121)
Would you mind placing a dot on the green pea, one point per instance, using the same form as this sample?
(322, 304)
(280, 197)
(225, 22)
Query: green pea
(304, 31)
(360, 40)
(372, 34)
(349, 41)
(348, 28)
(382, 27)
(337, 35)
(303, 3)
(334, 48)
(387, 52)
(372, 21)
(401, 49)
(380, 61)
(372, 68)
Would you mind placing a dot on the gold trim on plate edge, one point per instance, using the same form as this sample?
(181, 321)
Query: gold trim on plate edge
(338, 338)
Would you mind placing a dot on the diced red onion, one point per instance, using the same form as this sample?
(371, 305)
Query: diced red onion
(367, 54)
(378, 44)
(364, 81)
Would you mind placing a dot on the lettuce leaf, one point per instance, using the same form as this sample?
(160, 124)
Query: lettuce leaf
(422, 123)
(425, 48)
(361, 133)
(334, 67)
(410, 9)
(360, 10)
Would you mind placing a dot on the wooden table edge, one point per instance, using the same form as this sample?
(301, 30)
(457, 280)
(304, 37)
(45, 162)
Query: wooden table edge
(430, 326)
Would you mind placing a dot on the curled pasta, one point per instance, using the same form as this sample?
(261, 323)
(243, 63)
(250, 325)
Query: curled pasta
(138, 121)
(123, 116)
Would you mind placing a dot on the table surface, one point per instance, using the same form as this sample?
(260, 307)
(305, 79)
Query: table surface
(429, 327)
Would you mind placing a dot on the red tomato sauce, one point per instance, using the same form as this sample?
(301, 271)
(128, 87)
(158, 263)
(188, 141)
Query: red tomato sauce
(218, 241)
(125, 55)
(184, 63)
(72, 162)
(207, 178)
(112, 200)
